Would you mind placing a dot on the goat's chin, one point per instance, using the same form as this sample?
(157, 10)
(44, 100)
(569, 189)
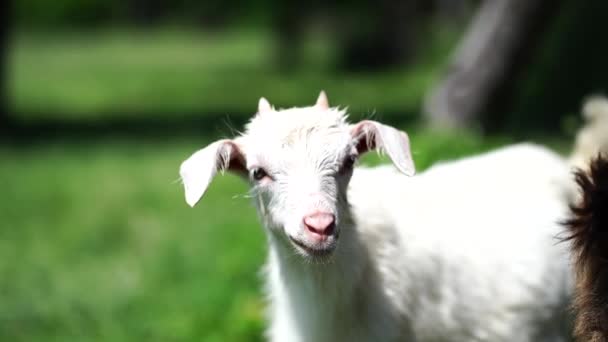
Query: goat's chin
(315, 251)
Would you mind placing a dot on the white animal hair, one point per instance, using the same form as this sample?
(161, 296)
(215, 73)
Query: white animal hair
(465, 251)
(593, 138)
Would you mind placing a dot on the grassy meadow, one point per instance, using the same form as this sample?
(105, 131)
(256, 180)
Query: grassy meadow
(175, 74)
(97, 243)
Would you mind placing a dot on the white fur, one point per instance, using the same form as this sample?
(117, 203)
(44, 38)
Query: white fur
(593, 138)
(465, 251)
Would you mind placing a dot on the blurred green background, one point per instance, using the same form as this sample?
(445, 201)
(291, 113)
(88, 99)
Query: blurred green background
(102, 100)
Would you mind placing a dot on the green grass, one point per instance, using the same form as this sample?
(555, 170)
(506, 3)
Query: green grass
(97, 243)
(125, 73)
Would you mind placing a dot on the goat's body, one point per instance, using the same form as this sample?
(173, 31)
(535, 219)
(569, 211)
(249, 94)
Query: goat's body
(463, 252)
(466, 251)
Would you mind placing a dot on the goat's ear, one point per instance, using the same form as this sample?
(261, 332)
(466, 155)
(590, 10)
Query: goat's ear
(322, 101)
(371, 135)
(198, 170)
(264, 106)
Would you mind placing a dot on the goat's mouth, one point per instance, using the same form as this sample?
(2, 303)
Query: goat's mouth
(323, 249)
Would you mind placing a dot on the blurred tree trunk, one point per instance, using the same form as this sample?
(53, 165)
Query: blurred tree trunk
(500, 40)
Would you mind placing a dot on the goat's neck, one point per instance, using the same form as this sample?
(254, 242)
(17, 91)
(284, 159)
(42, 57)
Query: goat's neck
(309, 296)
(339, 272)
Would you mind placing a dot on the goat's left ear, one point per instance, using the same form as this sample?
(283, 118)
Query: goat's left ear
(322, 101)
(198, 170)
(372, 135)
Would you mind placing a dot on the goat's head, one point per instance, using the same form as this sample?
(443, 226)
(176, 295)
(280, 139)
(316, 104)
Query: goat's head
(299, 162)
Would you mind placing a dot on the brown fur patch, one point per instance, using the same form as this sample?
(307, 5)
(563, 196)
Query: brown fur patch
(588, 234)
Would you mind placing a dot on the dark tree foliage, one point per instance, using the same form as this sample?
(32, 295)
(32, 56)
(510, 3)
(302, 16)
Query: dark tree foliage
(147, 12)
(60, 14)
(572, 64)
(288, 22)
(382, 35)
(368, 36)
(4, 34)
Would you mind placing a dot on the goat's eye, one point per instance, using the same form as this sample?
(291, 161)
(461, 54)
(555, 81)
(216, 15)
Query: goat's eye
(258, 173)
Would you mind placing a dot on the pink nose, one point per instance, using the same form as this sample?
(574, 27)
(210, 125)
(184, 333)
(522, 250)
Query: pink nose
(320, 223)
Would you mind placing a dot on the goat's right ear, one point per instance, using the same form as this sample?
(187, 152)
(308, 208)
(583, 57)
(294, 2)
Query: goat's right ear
(198, 170)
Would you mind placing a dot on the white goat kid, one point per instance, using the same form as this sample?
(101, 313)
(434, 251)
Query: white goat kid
(463, 252)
